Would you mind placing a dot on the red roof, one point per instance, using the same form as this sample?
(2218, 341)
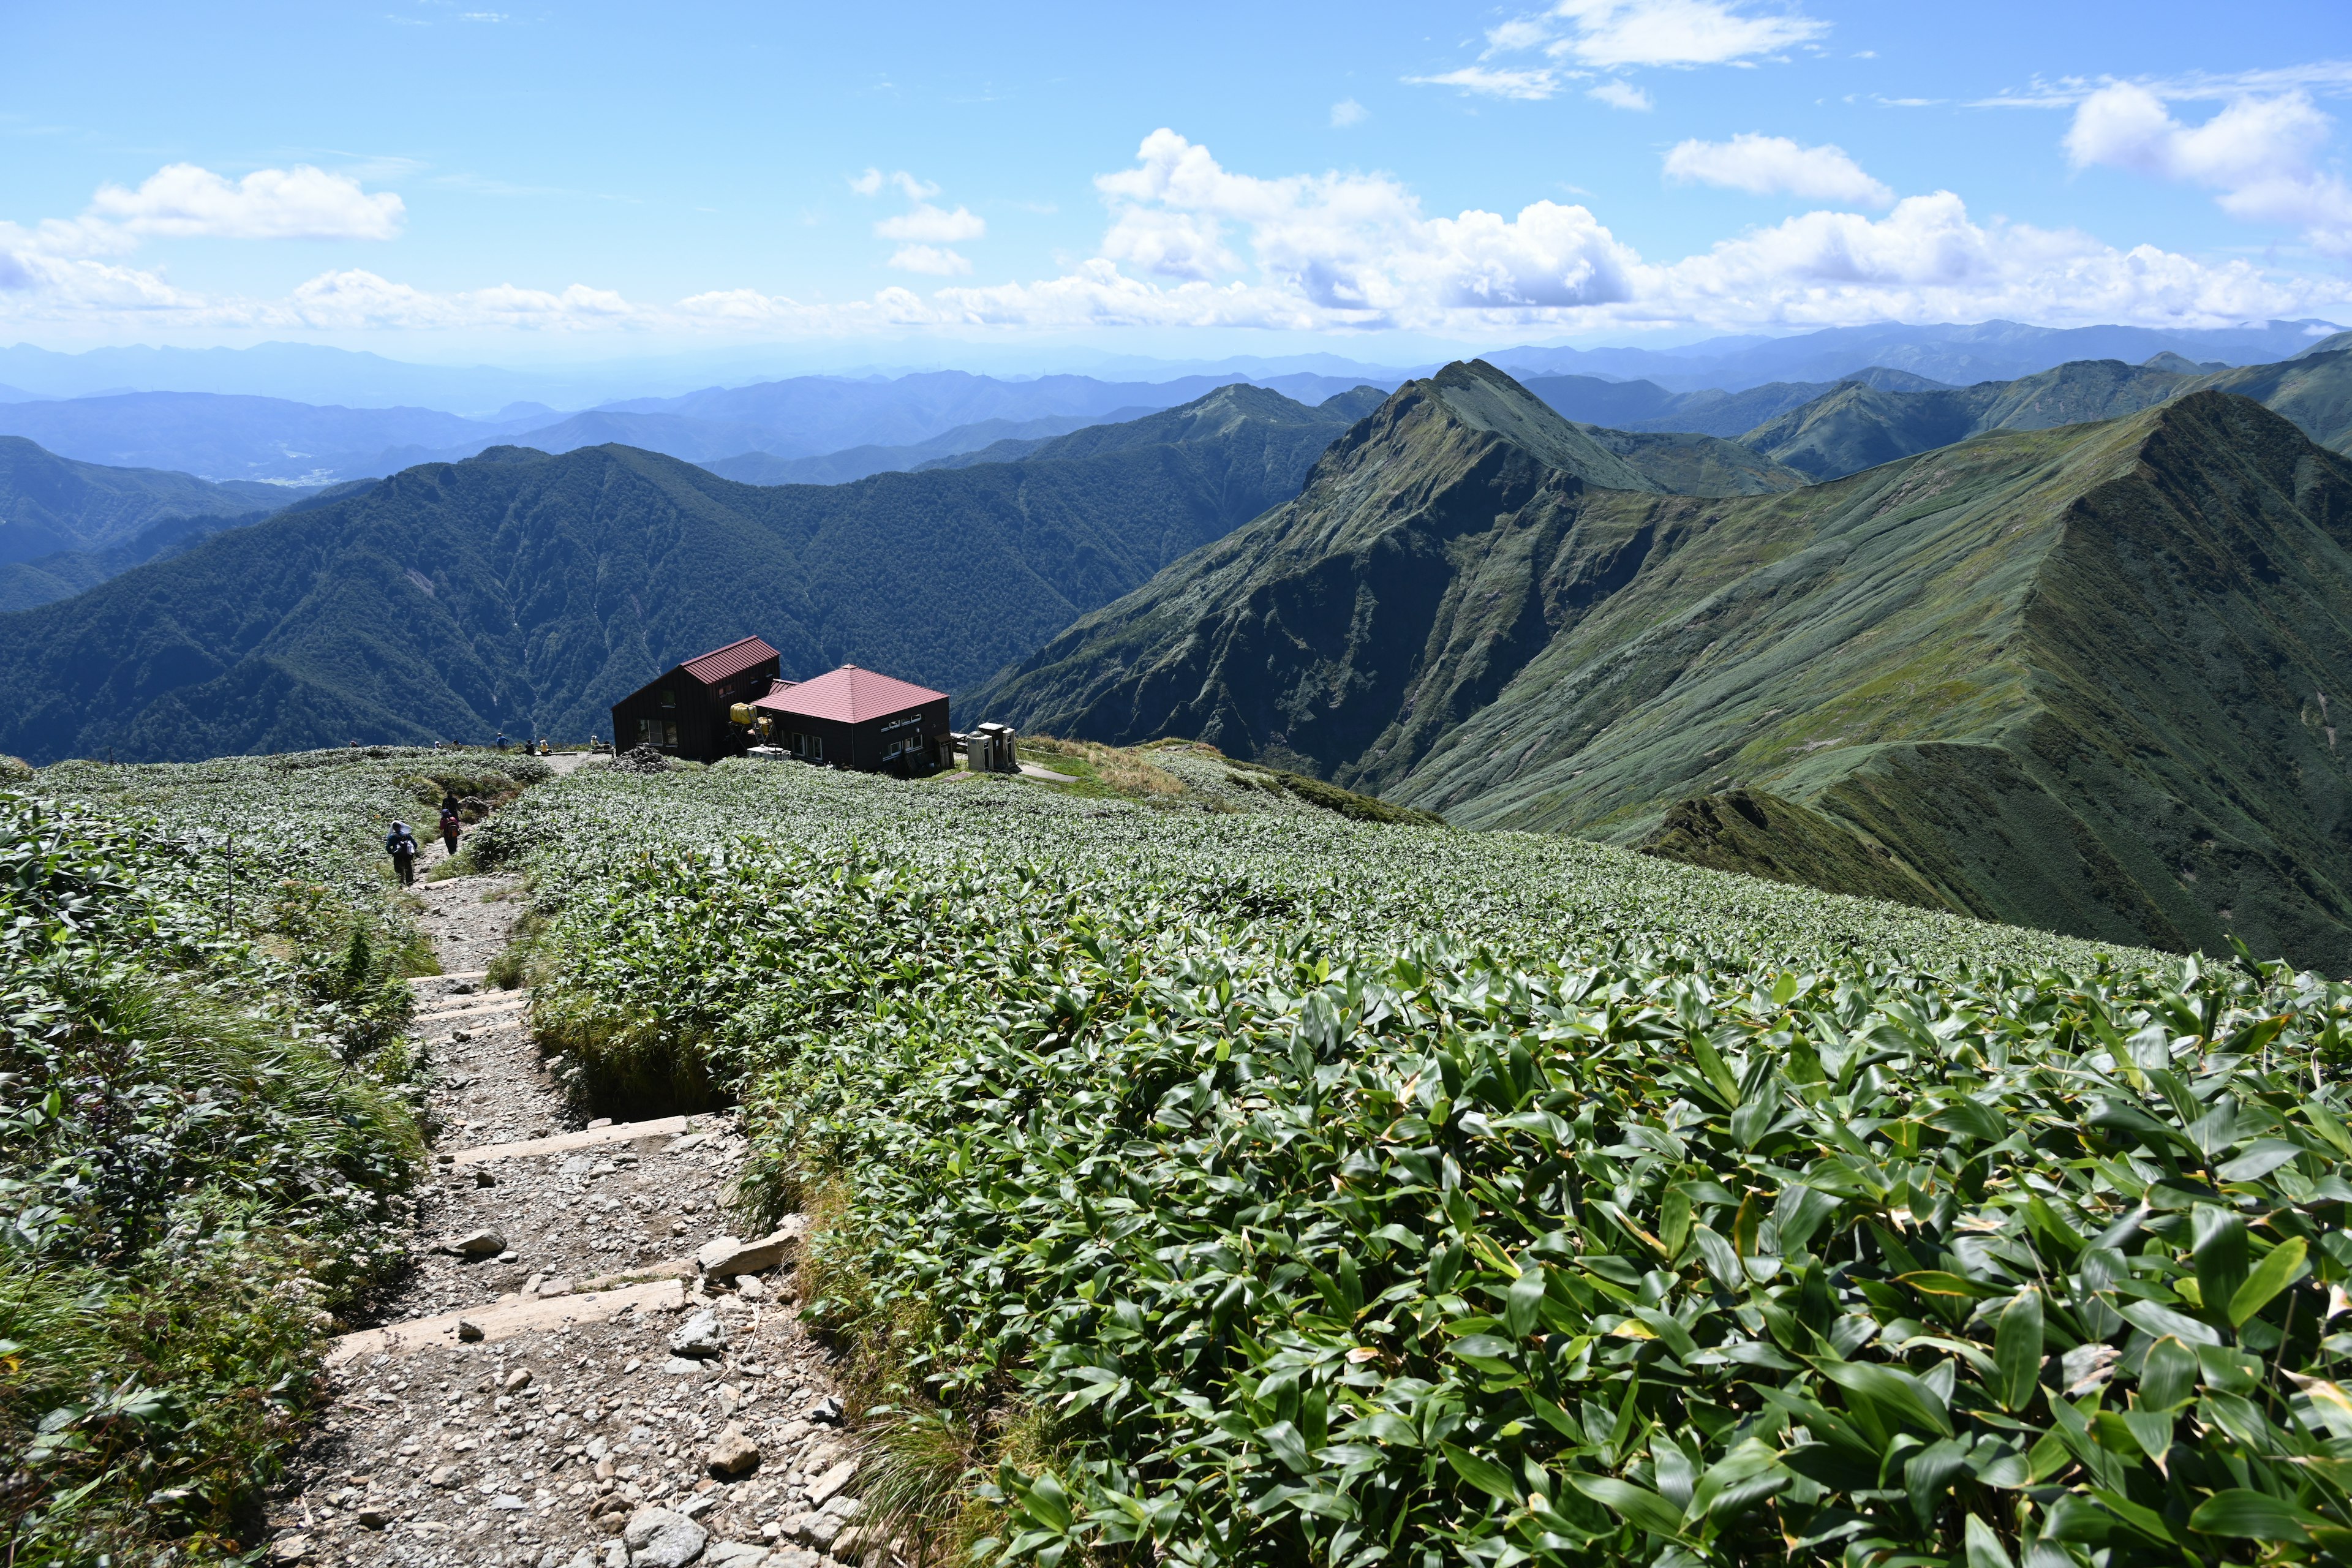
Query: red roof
(849, 695)
(716, 666)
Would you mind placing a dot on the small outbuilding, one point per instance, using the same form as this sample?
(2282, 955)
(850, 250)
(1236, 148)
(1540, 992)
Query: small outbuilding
(860, 719)
(683, 711)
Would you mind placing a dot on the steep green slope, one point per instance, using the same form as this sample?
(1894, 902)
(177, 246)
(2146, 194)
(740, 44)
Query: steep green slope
(523, 593)
(1681, 463)
(1647, 406)
(1293, 438)
(1293, 640)
(2314, 390)
(1855, 426)
(49, 503)
(45, 579)
(2076, 678)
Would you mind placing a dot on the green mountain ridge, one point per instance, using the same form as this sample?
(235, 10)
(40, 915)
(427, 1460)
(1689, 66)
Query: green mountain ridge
(2074, 678)
(49, 504)
(1857, 426)
(522, 591)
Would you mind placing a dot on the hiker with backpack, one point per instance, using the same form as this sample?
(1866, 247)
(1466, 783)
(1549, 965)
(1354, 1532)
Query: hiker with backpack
(401, 844)
(449, 822)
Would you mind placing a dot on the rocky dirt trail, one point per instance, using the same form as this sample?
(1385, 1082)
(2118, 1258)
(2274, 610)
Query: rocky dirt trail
(582, 1369)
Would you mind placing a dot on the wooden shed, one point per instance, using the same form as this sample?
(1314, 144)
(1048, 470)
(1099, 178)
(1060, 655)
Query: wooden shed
(683, 710)
(852, 718)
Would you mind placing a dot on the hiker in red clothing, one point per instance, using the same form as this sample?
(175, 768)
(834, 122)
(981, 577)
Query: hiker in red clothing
(449, 822)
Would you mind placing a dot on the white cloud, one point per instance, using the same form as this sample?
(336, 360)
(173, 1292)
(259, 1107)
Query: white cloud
(1772, 165)
(1347, 112)
(182, 201)
(1532, 84)
(871, 182)
(932, 224)
(1189, 242)
(1583, 37)
(1349, 243)
(1616, 33)
(938, 262)
(2259, 154)
(923, 232)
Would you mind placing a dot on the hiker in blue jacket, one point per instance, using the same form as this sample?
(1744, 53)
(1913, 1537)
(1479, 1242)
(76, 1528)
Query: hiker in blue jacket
(401, 844)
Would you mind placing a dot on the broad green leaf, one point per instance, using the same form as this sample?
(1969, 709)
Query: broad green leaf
(2161, 1320)
(1288, 1447)
(1941, 1282)
(2151, 1429)
(1722, 1259)
(1892, 1389)
(1717, 1075)
(2017, 1351)
(2167, 1378)
(2280, 1267)
(1488, 1477)
(2261, 1158)
(2256, 1515)
(1643, 1509)
(2220, 1253)
(1524, 1300)
(1984, 1547)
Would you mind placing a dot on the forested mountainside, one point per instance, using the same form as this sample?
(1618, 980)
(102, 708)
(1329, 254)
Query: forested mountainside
(1856, 426)
(49, 504)
(2074, 678)
(523, 592)
(1711, 411)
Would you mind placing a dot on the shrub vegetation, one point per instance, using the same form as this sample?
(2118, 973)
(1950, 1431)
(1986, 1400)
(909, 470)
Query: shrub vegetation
(1222, 1188)
(204, 1134)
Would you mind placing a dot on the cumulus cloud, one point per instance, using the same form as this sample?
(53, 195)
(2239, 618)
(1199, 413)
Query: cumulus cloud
(923, 232)
(1347, 112)
(1614, 34)
(182, 201)
(1620, 95)
(1347, 243)
(871, 183)
(932, 224)
(1774, 165)
(1531, 83)
(933, 259)
(1189, 242)
(2259, 154)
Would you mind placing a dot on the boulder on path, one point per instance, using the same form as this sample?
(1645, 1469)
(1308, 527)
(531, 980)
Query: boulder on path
(656, 1538)
(700, 1336)
(479, 1244)
(821, 1489)
(734, 1555)
(725, 1257)
(732, 1453)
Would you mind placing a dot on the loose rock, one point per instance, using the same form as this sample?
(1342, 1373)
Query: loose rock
(658, 1537)
(700, 1336)
(734, 1453)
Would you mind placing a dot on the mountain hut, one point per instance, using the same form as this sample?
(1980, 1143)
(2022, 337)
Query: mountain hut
(860, 719)
(683, 711)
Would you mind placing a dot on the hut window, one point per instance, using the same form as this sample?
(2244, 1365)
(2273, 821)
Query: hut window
(668, 697)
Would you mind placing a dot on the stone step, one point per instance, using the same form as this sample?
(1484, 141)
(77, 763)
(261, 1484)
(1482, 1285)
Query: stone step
(564, 1142)
(461, 975)
(504, 1000)
(595, 1304)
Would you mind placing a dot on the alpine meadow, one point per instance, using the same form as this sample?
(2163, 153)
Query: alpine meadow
(1559, 786)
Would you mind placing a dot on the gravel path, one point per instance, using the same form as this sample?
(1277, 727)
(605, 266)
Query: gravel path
(577, 1372)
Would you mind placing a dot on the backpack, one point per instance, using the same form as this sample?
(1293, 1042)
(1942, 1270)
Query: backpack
(448, 820)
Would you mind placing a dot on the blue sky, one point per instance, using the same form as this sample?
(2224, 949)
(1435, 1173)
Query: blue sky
(444, 180)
